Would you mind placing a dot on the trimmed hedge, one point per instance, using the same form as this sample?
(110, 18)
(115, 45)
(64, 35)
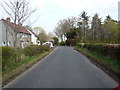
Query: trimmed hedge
(7, 55)
(34, 50)
(108, 50)
(11, 55)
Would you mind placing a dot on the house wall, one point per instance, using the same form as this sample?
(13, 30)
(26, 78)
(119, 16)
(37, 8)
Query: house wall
(7, 38)
(6, 34)
(24, 40)
(0, 32)
(34, 39)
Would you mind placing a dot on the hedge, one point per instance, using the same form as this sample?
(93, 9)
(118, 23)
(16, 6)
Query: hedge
(7, 55)
(11, 55)
(108, 50)
(34, 50)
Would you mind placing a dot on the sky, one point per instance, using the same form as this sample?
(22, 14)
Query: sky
(49, 12)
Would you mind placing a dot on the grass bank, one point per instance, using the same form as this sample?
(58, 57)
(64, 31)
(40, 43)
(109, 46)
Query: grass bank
(110, 65)
(17, 68)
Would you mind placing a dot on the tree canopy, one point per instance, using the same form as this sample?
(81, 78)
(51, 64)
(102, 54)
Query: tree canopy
(84, 30)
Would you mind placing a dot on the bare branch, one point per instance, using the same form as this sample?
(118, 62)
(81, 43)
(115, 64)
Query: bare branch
(19, 11)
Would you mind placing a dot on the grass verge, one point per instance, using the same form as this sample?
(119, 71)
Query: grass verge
(18, 68)
(109, 65)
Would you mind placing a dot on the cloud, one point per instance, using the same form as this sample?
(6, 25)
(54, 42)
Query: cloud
(85, 4)
(37, 4)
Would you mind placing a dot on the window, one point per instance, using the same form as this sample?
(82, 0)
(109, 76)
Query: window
(24, 35)
(9, 43)
(3, 43)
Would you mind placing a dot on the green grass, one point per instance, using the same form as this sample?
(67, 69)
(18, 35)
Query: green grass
(112, 64)
(25, 61)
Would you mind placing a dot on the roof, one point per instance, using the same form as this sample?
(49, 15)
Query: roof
(20, 28)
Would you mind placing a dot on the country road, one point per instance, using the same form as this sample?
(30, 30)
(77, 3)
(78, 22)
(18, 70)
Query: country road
(63, 68)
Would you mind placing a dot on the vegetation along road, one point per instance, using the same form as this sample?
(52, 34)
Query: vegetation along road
(64, 68)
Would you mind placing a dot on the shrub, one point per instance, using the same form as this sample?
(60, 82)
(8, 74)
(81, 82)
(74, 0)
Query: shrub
(30, 50)
(71, 42)
(7, 55)
(34, 50)
(18, 53)
(112, 51)
(43, 48)
(62, 43)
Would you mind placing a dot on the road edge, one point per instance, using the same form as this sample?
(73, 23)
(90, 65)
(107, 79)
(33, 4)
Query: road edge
(104, 68)
(26, 68)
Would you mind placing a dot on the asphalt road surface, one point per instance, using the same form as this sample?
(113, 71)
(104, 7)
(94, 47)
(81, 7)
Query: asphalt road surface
(63, 68)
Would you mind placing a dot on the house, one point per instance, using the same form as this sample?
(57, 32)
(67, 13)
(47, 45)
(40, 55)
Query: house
(7, 32)
(34, 38)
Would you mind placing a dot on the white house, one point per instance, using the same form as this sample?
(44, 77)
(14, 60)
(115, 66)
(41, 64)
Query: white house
(34, 38)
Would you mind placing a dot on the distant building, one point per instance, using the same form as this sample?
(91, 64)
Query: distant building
(34, 38)
(7, 30)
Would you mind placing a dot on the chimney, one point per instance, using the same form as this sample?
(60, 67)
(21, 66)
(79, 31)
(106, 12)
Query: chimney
(20, 24)
(8, 19)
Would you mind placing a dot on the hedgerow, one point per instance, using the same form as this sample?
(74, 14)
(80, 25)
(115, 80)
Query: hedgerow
(109, 50)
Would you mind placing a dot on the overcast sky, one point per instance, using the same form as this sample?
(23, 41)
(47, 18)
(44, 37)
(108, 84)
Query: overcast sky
(49, 12)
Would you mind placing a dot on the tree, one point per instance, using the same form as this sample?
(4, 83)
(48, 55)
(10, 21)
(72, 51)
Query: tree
(58, 32)
(42, 37)
(38, 30)
(64, 26)
(110, 30)
(96, 28)
(71, 37)
(83, 24)
(19, 11)
(50, 36)
(72, 33)
(55, 40)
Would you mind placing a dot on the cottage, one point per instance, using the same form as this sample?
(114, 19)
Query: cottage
(7, 31)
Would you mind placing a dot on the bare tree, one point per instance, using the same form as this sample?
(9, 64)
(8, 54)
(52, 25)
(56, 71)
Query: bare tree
(58, 32)
(64, 26)
(19, 11)
(50, 36)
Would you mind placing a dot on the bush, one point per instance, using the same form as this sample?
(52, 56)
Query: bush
(7, 55)
(103, 49)
(34, 50)
(18, 53)
(30, 50)
(43, 48)
(71, 42)
(62, 43)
